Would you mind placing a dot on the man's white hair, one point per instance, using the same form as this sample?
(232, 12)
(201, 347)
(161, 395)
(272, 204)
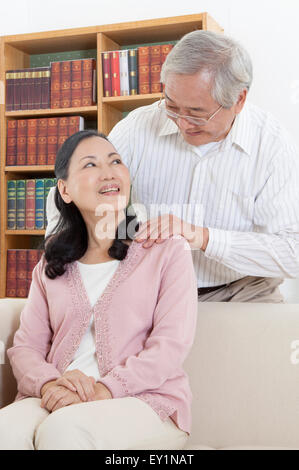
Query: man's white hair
(227, 62)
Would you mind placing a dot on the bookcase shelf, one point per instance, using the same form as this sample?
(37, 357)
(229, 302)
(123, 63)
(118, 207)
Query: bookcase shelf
(16, 52)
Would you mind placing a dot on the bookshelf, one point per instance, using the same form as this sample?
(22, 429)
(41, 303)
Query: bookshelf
(16, 52)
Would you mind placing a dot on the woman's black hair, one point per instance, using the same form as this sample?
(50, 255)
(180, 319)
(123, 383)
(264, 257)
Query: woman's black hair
(70, 240)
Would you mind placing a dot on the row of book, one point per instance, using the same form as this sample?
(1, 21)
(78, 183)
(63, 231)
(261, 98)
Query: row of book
(26, 203)
(65, 84)
(134, 71)
(36, 141)
(20, 264)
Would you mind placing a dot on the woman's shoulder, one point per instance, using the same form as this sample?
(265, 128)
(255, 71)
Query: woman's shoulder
(175, 246)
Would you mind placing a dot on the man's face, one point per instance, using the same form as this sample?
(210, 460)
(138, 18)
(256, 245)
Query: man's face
(190, 95)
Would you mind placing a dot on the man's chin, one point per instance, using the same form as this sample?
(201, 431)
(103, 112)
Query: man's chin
(196, 139)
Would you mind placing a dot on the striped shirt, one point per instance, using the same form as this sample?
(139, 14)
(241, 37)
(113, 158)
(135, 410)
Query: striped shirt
(244, 189)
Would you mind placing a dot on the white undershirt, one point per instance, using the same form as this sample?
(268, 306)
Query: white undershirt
(95, 278)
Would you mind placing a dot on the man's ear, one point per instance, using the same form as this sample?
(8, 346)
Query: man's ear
(62, 188)
(241, 101)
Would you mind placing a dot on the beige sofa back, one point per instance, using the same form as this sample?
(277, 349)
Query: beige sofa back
(243, 372)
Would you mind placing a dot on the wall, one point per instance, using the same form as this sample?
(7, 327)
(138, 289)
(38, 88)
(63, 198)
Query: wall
(268, 29)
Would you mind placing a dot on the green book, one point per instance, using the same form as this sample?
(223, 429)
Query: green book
(39, 204)
(11, 205)
(49, 183)
(20, 204)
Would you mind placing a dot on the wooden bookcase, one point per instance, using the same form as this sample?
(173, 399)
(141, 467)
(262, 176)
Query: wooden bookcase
(15, 52)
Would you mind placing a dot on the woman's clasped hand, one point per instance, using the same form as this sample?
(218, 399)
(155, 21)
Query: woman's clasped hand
(71, 388)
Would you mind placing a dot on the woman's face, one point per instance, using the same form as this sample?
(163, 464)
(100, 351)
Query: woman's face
(96, 176)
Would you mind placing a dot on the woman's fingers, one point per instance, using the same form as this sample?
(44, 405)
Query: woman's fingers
(66, 383)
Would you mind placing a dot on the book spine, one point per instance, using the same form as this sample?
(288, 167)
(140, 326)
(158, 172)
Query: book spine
(30, 205)
(165, 49)
(30, 88)
(49, 183)
(144, 70)
(21, 273)
(24, 90)
(124, 73)
(106, 66)
(31, 141)
(11, 146)
(76, 83)
(76, 123)
(63, 124)
(37, 88)
(39, 204)
(42, 143)
(17, 90)
(55, 84)
(133, 68)
(115, 73)
(20, 204)
(32, 260)
(11, 274)
(52, 140)
(9, 93)
(155, 58)
(11, 205)
(66, 95)
(21, 142)
(45, 104)
(88, 82)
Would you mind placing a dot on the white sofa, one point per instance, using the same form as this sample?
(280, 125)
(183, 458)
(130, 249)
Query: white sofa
(242, 369)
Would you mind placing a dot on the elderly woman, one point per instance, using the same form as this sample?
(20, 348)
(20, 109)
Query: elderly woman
(107, 325)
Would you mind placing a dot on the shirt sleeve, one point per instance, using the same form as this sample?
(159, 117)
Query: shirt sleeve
(272, 249)
(121, 137)
(32, 342)
(52, 212)
(172, 335)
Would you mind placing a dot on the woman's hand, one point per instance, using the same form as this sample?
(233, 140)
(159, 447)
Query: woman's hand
(77, 381)
(102, 392)
(56, 396)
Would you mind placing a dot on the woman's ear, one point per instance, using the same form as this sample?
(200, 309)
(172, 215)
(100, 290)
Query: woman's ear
(62, 188)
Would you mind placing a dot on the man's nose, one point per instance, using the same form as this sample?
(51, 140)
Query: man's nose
(184, 124)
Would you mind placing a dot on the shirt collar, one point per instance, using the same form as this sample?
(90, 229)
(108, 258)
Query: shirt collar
(240, 133)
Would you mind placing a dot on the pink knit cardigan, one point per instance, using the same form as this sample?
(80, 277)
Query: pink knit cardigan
(145, 323)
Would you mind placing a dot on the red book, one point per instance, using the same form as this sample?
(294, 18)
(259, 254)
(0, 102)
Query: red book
(76, 83)
(32, 260)
(89, 74)
(55, 84)
(155, 57)
(21, 273)
(76, 123)
(63, 128)
(21, 142)
(52, 140)
(11, 149)
(106, 66)
(66, 95)
(144, 70)
(165, 49)
(30, 205)
(11, 274)
(115, 78)
(42, 149)
(31, 141)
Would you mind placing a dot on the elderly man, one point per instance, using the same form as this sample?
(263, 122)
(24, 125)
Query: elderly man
(206, 147)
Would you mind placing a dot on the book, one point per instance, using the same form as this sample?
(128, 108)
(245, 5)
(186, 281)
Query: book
(30, 88)
(45, 88)
(155, 67)
(9, 92)
(124, 73)
(31, 141)
(11, 142)
(144, 70)
(76, 83)
(20, 204)
(11, 204)
(55, 84)
(106, 68)
(75, 124)
(52, 140)
(165, 49)
(23, 90)
(133, 69)
(30, 204)
(62, 132)
(42, 147)
(17, 90)
(66, 94)
(21, 141)
(88, 82)
(21, 273)
(11, 274)
(49, 183)
(115, 78)
(39, 204)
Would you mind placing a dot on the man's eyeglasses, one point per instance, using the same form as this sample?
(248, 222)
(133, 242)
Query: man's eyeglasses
(192, 119)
